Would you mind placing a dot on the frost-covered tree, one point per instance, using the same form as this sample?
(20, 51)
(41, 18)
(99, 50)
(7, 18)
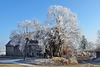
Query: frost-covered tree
(61, 28)
(67, 27)
(84, 43)
(22, 32)
(21, 35)
(98, 39)
(91, 46)
(27, 31)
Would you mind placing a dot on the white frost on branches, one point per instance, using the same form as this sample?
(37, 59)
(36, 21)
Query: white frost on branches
(58, 17)
(67, 24)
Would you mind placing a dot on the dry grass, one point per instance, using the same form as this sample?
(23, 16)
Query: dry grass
(83, 58)
(79, 65)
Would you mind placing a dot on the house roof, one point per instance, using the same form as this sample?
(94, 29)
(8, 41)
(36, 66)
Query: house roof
(33, 42)
(8, 44)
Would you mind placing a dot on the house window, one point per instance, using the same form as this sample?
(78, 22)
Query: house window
(37, 54)
(27, 54)
(32, 54)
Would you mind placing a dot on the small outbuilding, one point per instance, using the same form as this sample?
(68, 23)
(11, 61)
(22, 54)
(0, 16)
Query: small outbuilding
(98, 54)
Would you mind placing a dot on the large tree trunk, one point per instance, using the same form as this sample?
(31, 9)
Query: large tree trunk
(51, 49)
(51, 52)
(25, 51)
(60, 51)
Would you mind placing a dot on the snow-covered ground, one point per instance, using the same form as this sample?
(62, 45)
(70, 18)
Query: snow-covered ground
(96, 61)
(92, 61)
(29, 61)
(14, 61)
(38, 61)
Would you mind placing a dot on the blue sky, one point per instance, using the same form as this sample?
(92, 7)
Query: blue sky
(14, 11)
